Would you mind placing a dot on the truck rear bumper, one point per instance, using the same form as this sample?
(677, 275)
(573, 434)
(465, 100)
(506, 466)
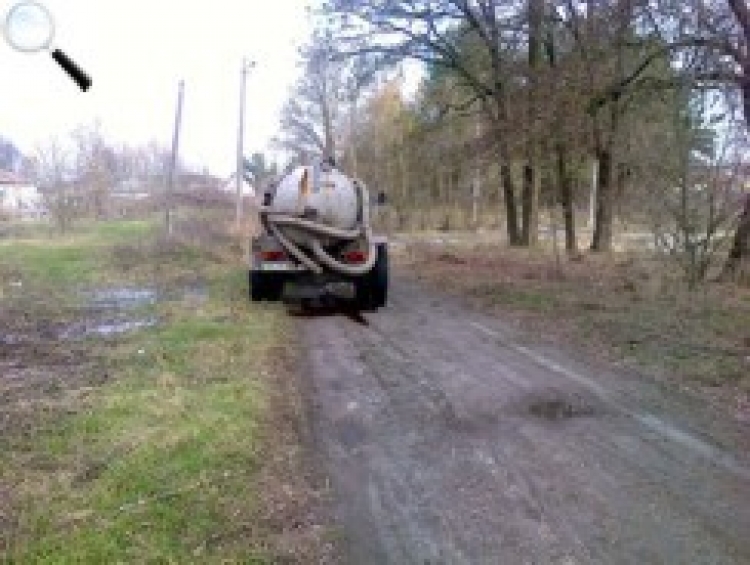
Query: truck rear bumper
(297, 284)
(295, 291)
(278, 267)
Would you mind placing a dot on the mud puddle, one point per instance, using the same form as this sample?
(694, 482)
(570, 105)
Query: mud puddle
(105, 328)
(131, 298)
(106, 313)
(120, 298)
(103, 312)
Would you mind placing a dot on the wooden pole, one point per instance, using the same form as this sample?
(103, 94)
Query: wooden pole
(173, 162)
(246, 65)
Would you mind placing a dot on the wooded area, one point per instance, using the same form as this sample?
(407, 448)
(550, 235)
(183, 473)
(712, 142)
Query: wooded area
(633, 112)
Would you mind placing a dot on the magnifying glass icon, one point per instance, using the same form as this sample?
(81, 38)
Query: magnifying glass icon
(29, 28)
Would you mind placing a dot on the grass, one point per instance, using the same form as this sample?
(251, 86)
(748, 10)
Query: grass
(165, 456)
(69, 259)
(627, 308)
(505, 295)
(185, 450)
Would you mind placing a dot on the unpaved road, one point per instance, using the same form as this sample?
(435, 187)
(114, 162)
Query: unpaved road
(450, 440)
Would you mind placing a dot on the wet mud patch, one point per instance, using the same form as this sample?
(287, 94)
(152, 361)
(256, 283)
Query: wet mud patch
(51, 351)
(111, 312)
(326, 310)
(48, 334)
(120, 298)
(350, 432)
(105, 328)
(135, 298)
(554, 405)
(557, 409)
(31, 353)
(544, 405)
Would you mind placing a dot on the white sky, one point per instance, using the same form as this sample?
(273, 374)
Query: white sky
(136, 51)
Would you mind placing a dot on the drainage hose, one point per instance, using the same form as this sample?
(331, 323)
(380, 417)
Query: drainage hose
(275, 222)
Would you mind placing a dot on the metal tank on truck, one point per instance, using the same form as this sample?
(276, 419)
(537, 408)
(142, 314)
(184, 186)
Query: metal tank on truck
(316, 241)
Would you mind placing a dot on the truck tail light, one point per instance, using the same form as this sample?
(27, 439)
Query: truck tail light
(355, 256)
(273, 255)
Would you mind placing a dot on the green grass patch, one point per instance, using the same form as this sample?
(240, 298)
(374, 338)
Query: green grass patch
(510, 296)
(62, 263)
(162, 462)
(159, 464)
(80, 257)
(118, 231)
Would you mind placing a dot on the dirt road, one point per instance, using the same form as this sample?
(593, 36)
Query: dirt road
(449, 439)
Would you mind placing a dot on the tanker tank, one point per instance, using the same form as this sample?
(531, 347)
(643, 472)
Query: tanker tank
(316, 234)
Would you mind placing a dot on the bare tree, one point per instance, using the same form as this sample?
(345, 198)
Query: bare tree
(710, 42)
(313, 118)
(436, 32)
(693, 187)
(738, 46)
(96, 165)
(53, 165)
(606, 69)
(532, 169)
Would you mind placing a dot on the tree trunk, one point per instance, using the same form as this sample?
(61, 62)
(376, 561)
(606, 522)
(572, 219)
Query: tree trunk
(511, 212)
(529, 206)
(602, 240)
(740, 251)
(330, 142)
(566, 199)
(530, 195)
(403, 172)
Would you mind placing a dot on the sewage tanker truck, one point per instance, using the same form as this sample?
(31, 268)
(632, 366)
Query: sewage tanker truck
(316, 242)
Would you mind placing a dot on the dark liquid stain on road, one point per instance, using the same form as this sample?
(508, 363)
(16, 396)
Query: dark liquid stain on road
(327, 309)
(561, 408)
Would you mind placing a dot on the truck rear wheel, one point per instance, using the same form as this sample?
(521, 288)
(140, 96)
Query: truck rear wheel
(372, 288)
(379, 278)
(265, 286)
(274, 287)
(257, 287)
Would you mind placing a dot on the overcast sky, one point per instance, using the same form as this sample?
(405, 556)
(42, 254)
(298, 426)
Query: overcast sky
(136, 51)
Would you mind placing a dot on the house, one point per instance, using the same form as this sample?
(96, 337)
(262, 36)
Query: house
(20, 198)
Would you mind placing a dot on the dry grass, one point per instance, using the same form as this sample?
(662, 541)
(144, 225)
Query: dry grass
(628, 308)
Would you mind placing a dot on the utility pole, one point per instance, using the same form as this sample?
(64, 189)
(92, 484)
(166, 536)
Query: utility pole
(173, 162)
(246, 65)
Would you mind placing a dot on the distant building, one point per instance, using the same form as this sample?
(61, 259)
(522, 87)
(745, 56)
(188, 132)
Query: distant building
(230, 186)
(20, 198)
(198, 181)
(131, 189)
